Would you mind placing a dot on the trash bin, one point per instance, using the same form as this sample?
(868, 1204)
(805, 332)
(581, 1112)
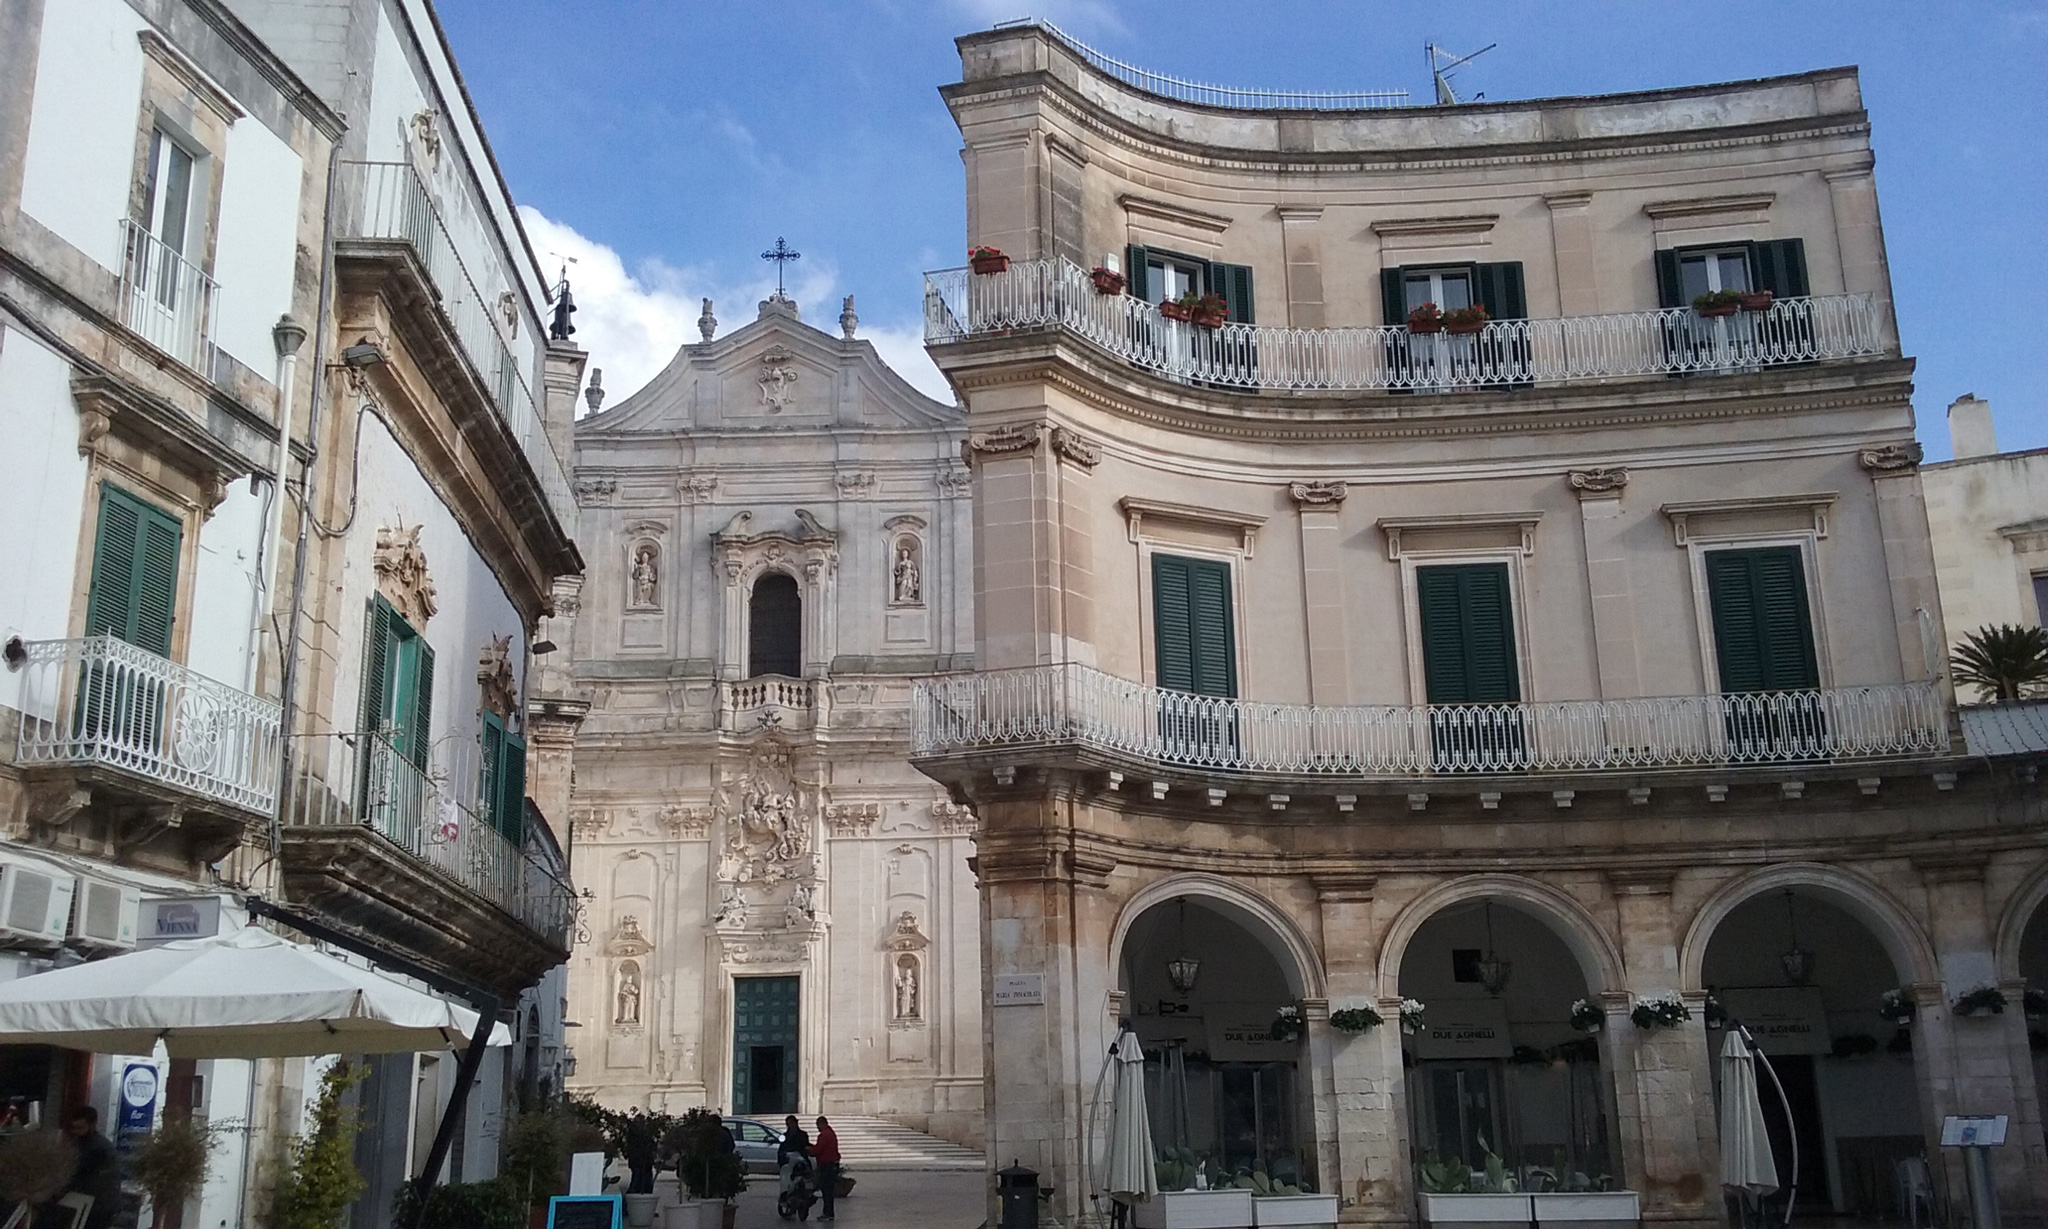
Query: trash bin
(1018, 1189)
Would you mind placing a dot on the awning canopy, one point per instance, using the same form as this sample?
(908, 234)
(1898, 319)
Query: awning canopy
(248, 994)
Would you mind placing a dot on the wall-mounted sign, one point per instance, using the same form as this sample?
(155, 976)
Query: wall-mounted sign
(163, 919)
(1243, 1032)
(1464, 1028)
(1782, 1019)
(1018, 990)
(137, 1111)
(1988, 1132)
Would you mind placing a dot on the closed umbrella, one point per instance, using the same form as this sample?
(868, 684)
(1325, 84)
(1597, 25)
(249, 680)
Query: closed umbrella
(248, 994)
(1747, 1166)
(1131, 1174)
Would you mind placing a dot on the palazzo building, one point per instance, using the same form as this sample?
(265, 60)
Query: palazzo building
(783, 917)
(1573, 667)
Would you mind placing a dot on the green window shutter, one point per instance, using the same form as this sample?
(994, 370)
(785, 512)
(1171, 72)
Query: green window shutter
(512, 789)
(1763, 630)
(420, 722)
(376, 664)
(1670, 285)
(491, 767)
(1393, 297)
(1173, 623)
(1136, 275)
(1215, 657)
(1780, 267)
(134, 591)
(1500, 290)
(1234, 283)
(1468, 634)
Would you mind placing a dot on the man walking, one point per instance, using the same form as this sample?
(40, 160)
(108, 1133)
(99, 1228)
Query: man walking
(640, 1153)
(99, 1170)
(826, 1152)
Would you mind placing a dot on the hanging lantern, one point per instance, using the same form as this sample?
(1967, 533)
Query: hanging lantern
(1182, 969)
(1493, 971)
(1797, 961)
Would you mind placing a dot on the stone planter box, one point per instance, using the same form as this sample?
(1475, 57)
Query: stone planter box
(1305, 1210)
(693, 1214)
(640, 1211)
(1489, 1210)
(1588, 1209)
(1196, 1210)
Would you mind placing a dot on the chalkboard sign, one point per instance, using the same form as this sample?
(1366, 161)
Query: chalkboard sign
(585, 1211)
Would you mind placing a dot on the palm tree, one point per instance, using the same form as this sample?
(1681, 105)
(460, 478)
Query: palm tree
(2002, 660)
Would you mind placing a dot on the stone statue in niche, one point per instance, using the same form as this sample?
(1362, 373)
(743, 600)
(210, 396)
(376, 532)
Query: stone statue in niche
(907, 1006)
(646, 574)
(629, 994)
(907, 573)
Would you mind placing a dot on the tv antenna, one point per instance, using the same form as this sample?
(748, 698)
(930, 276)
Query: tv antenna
(1442, 64)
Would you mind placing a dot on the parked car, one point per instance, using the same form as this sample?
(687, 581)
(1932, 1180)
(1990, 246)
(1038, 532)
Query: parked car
(757, 1142)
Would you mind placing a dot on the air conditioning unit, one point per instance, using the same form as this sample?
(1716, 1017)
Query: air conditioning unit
(105, 913)
(34, 904)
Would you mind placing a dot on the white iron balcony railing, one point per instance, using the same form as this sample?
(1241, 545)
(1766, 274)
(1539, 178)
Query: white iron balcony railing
(959, 304)
(166, 299)
(1079, 707)
(397, 205)
(1182, 90)
(101, 701)
(362, 780)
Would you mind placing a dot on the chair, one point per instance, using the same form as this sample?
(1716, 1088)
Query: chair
(1915, 1187)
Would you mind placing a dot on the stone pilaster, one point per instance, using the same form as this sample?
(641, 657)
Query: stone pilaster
(1859, 239)
(1571, 244)
(1322, 581)
(1303, 243)
(1364, 1158)
(1908, 558)
(1608, 580)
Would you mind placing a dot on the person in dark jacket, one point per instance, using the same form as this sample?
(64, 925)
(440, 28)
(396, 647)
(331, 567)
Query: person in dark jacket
(795, 1143)
(640, 1150)
(826, 1153)
(99, 1169)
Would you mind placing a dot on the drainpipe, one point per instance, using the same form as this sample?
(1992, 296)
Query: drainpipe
(287, 335)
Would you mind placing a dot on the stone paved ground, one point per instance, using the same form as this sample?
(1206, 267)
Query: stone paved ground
(882, 1199)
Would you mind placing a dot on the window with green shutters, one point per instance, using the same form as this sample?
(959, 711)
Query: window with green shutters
(1763, 629)
(398, 683)
(1195, 643)
(1156, 275)
(502, 784)
(134, 590)
(1468, 634)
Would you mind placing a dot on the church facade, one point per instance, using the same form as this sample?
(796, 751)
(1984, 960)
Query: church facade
(777, 536)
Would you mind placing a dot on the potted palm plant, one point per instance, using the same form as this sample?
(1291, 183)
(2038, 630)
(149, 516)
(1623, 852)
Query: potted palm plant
(171, 1163)
(987, 259)
(2003, 661)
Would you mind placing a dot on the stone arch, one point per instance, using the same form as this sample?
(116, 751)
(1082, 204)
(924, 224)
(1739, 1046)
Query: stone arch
(1599, 959)
(1901, 937)
(1260, 917)
(2012, 924)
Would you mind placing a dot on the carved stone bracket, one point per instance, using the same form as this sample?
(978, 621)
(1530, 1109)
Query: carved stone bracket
(1317, 494)
(1076, 448)
(596, 492)
(998, 442)
(628, 941)
(1598, 481)
(955, 482)
(686, 823)
(1891, 458)
(696, 488)
(853, 818)
(402, 574)
(854, 483)
(494, 675)
(587, 825)
(955, 819)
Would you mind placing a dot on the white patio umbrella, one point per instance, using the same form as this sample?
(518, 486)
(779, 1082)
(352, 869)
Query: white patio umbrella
(248, 994)
(1746, 1162)
(1131, 1175)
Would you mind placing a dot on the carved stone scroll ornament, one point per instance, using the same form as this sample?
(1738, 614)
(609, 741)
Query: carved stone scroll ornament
(595, 492)
(402, 574)
(955, 482)
(955, 819)
(854, 483)
(778, 378)
(1599, 481)
(494, 676)
(697, 488)
(686, 823)
(1075, 447)
(852, 818)
(999, 442)
(1891, 458)
(1317, 494)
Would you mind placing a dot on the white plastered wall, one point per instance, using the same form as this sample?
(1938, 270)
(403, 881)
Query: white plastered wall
(81, 136)
(256, 252)
(42, 495)
(223, 592)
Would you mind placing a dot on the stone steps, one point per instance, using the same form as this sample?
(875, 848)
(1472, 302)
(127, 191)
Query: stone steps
(872, 1143)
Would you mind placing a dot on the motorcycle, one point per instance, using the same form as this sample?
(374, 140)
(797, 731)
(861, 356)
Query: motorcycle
(795, 1203)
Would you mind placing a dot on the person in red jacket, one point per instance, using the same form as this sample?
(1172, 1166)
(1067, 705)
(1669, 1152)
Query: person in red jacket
(825, 1150)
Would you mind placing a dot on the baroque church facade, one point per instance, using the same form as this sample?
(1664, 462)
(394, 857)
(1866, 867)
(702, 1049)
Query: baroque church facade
(780, 912)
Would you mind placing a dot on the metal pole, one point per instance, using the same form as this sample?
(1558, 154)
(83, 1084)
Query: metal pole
(1983, 1195)
(465, 1075)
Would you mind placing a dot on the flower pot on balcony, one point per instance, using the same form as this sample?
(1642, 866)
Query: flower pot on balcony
(1302, 1210)
(1107, 281)
(1757, 301)
(988, 260)
(1465, 320)
(1174, 311)
(1715, 304)
(1196, 1210)
(1586, 1209)
(1209, 320)
(1486, 1211)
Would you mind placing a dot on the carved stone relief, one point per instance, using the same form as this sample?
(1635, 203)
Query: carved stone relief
(1317, 494)
(627, 998)
(1599, 481)
(643, 576)
(906, 571)
(955, 819)
(852, 818)
(402, 575)
(778, 376)
(495, 678)
(1891, 458)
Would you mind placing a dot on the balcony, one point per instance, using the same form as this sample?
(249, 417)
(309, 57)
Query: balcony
(1038, 294)
(397, 205)
(125, 716)
(768, 700)
(377, 843)
(1074, 708)
(167, 300)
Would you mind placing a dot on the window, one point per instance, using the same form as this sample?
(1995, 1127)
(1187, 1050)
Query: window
(167, 196)
(398, 683)
(1449, 289)
(775, 627)
(1763, 631)
(502, 779)
(1195, 647)
(2041, 598)
(1468, 634)
(1496, 286)
(1776, 265)
(134, 591)
(1704, 272)
(1157, 276)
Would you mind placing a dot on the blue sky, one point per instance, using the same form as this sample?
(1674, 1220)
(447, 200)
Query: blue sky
(665, 143)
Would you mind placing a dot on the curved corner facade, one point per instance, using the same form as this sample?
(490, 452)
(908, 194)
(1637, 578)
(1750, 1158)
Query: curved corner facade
(1511, 592)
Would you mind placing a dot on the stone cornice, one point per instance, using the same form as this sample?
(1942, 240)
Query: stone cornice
(1463, 224)
(188, 74)
(1177, 214)
(1744, 203)
(1136, 511)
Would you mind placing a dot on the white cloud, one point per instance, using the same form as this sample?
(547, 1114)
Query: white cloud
(633, 321)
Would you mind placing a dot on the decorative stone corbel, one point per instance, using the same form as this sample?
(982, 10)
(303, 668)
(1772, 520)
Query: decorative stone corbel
(1598, 481)
(93, 426)
(1074, 447)
(402, 577)
(1317, 494)
(1000, 441)
(1890, 458)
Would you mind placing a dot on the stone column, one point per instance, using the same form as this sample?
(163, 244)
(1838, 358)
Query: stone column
(1322, 582)
(1302, 243)
(1365, 1162)
(1908, 558)
(1571, 245)
(1608, 580)
(1859, 240)
(1319, 1109)
(1662, 1080)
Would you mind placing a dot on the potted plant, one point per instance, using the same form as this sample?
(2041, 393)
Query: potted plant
(710, 1172)
(1716, 303)
(319, 1178)
(842, 1185)
(1716, 1015)
(2034, 1003)
(1178, 309)
(1981, 1002)
(491, 1204)
(1466, 320)
(1186, 1199)
(1663, 1011)
(1411, 1016)
(1427, 318)
(1209, 310)
(2002, 661)
(1756, 300)
(1588, 1017)
(1355, 1020)
(1282, 1203)
(36, 1167)
(1895, 1007)
(987, 259)
(171, 1163)
(1453, 1193)
(1106, 279)
(1286, 1025)
(1577, 1206)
